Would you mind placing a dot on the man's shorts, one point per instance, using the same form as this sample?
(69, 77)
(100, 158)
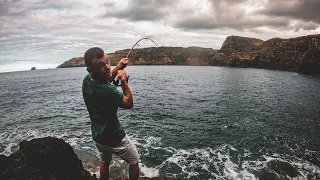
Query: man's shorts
(126, 150)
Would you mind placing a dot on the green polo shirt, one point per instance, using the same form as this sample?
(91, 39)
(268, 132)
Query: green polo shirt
(102, 101)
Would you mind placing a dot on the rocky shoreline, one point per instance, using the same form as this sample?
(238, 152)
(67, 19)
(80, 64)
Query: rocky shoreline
(51, 158)
(301, 55)
(46, 158)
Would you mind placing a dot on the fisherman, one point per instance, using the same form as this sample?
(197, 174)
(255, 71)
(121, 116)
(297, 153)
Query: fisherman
(102, 100)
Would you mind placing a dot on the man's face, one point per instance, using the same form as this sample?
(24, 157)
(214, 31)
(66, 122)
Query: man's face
(102, 66)
(106, 61)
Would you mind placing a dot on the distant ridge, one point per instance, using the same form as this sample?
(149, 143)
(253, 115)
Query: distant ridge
(300, 54)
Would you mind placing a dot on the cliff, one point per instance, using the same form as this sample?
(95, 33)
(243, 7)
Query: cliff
(74, 62)
(301, 54)
(155, 56)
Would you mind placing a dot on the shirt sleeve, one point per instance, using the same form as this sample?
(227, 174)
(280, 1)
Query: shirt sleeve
(116, 96)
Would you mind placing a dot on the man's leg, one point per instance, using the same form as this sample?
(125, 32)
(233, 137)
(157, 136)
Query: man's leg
(106, 157)
(134, 172)
(104, 170)
(127, 151)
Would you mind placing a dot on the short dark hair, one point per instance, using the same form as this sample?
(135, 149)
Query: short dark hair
(91, 54)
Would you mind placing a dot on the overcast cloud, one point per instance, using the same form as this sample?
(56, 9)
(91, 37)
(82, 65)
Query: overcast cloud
(45, 33)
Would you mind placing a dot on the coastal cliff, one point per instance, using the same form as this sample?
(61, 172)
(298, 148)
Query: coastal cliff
(155, 56)
(301, 54)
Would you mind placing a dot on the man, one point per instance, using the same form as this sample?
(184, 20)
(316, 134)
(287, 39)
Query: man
(102, 100)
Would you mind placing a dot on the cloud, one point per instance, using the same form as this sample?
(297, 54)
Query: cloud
(143, 10)
(203, 22)
(301, 25)
(227, 14)
(306, 10)
(51, 32)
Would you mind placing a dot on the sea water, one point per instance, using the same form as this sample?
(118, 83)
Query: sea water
(187, 122)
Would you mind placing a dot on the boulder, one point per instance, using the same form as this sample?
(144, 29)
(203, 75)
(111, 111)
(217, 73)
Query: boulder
(43, 158)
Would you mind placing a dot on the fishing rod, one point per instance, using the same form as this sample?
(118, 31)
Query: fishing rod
(116, 82)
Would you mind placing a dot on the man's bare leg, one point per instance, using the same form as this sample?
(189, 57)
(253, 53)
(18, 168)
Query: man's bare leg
(134, 172)
(104, 171)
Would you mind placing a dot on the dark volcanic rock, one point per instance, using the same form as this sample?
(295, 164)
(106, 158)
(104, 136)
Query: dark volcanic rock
(25, 172)
(6, 163)
(44, 158)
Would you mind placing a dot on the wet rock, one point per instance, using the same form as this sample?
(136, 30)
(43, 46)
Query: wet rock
(6, 163)
(43, 158)
(25, 172)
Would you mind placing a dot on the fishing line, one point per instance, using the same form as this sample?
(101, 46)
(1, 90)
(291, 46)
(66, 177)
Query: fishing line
(116, 82)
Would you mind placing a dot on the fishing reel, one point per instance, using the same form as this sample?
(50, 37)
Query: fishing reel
(118, 81)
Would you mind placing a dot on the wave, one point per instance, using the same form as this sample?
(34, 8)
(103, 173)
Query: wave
(222, 162)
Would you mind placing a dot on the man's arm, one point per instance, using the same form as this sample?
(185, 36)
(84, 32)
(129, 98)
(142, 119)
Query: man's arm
(127, 95)
(115, 70)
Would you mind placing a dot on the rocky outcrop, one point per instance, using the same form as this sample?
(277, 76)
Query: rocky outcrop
(47, 158)
(301, 54)
(43, 159)
(53, 159)
(74, 62)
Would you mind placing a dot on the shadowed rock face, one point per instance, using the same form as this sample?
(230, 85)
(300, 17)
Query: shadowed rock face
(301, 54)
(44, 158)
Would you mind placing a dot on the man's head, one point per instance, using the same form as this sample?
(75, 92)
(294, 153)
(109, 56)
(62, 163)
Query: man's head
(98, 64)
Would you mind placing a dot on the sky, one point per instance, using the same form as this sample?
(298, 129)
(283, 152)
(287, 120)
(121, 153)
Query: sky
(45, 33)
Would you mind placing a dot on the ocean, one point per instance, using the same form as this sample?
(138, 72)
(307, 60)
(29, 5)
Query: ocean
(189, 122)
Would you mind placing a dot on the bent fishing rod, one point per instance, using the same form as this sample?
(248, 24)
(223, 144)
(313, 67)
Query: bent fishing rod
(116, 82)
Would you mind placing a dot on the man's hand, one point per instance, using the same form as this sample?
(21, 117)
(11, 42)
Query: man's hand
(123, 75)
(121, 65)
(127, 99)
(124, 61)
